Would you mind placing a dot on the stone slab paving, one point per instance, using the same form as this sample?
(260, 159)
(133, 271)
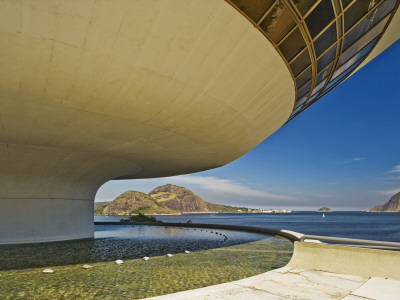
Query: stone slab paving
(290, 283)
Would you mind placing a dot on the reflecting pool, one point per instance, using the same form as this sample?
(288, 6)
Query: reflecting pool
(216, 256)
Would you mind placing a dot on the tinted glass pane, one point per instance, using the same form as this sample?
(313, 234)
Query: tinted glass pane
(345, 66)
(345, 3)
(296, 110)
(373, 33)
(277, 23)
(363, 52)
(313, 98)
(319, 87)
(342, 77)
(320, 17)
(327, 58)
(292, 45)
(325, 40)
(301, 63)
(369, 22)
(304, 5)
(356, 12)
(254, 9)
(324, 74)
(304, 78)
(303, 91)
(300, 102)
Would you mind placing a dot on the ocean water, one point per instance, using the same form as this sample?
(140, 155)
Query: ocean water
(351, 224)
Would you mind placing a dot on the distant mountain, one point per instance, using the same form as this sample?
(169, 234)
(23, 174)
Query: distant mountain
(393, 205)
(99, 206)
(132, 202)
(166, 199)
(186, 201)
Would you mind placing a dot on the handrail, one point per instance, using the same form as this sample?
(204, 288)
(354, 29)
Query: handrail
(387, 245)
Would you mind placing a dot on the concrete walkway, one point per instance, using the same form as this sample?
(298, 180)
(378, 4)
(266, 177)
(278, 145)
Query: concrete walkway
(291, 283)
(315, 271)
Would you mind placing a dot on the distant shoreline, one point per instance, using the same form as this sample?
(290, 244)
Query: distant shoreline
(203, 213)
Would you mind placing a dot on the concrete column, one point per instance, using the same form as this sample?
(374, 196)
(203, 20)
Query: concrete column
(43, 220)
(47, 194)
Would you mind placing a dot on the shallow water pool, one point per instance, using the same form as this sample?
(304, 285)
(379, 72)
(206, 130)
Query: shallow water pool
(216, 256)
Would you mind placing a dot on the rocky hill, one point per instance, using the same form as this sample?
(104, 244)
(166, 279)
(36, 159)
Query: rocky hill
(166, 199)
(179, 198)
(132, 202)
(99, 207)
(186, 201)
(393, 205)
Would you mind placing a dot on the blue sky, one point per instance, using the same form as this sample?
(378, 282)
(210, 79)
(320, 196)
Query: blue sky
(343, 152)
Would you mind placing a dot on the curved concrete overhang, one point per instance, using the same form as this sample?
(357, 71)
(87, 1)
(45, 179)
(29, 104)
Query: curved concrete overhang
(97, 90)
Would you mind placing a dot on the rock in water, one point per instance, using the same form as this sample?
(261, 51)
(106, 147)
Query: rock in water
(87, 266)
(48, 271)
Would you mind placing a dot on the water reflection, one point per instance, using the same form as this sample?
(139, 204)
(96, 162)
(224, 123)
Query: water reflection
(120, 242)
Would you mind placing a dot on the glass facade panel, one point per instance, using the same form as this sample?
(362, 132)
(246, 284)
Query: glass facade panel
(340, 77)
(254, 9)
(324, 74)
(318, 87)
(369, 22)
(304, 78)
(300, 63)
(360, 54)
(345, 66)
(300, 102)
(325, 40)
(278, 22)
(373, 33)
(303, 91)
(320, 17)
(326, 59)
(356, 11)
(307, 33)
(304, 5)
(292, 45)
(345, 3)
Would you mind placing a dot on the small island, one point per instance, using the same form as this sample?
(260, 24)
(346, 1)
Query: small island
(325, 209)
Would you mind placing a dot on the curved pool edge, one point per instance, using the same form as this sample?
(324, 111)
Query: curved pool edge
(316, 271)
(290, 235)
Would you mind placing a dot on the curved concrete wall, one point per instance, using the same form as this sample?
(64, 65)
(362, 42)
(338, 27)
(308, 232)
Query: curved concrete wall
(97, 90)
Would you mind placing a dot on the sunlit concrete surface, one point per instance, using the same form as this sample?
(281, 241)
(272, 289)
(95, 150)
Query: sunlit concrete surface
(97, 90)
(374, 275)
(290, 283)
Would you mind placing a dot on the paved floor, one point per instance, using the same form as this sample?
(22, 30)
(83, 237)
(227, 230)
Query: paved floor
(290, 283)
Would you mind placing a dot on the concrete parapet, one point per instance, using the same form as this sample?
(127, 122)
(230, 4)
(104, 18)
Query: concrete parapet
(346, 260)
